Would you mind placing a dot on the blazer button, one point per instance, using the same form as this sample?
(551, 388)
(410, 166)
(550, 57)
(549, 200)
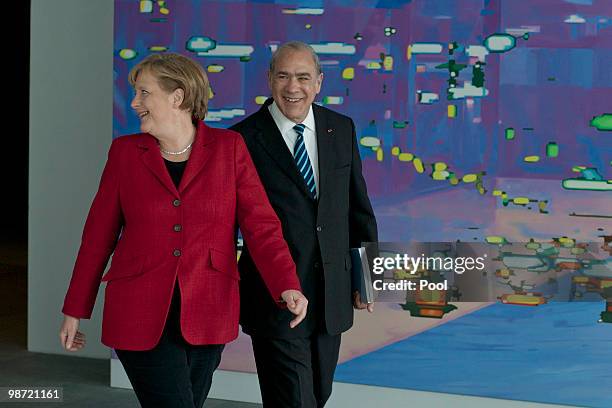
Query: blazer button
(178, 228)
(177, 252)
(319, 228)
(176, 203)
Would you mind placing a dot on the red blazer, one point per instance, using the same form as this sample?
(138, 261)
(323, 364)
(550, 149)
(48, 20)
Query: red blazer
(159, 232)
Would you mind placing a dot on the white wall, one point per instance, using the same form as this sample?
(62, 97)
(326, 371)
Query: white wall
(71, 97)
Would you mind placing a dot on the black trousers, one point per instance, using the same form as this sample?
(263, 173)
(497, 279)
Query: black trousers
(174, 373)
(296, 372)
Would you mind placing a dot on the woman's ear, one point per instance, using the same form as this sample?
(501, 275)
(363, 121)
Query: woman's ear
(177, 97)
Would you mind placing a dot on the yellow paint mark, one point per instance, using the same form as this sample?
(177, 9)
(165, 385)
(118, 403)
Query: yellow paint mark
(405, 157)
(418, 165)
(260, 100)
(409, 52)
(164, 11)
(452, 111)
(520, 200)
(578, 169)
(308, 26)
(370, 141)
(454, 181)
(497, 193)
(495, 239)
(440, 166)
(127, 53)
(211, 94)
(469, 178)
(395, 151)
(440, 175)
(215, 68)
(373, 65)
(388, 63)
(158, 48)
(532, 159)
(379, 155)
(348, 73)
(146, 6)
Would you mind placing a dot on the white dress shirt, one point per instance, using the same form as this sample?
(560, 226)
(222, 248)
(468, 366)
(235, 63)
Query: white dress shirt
(285, 126)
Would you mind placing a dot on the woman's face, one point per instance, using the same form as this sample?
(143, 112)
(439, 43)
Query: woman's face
(154, 106)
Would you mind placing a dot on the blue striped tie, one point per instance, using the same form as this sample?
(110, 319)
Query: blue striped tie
(303, 161)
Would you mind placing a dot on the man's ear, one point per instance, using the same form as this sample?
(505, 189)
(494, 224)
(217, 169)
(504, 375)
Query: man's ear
(319, 82)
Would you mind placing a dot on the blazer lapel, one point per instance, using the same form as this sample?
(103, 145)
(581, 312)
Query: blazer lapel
(155, 163)
(272, 141)
(200, 153)
(325, 149)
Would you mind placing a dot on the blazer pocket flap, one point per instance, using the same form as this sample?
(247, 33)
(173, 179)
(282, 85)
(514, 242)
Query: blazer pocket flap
(342, 166)
(225, 263)
(348, 264)
(123, 268)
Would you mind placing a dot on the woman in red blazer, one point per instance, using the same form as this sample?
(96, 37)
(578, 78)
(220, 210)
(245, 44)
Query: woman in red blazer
(168, 207)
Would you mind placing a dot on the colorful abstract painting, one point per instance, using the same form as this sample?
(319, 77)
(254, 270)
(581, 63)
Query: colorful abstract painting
(484, 121)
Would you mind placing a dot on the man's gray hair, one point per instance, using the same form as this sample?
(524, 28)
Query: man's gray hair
(295, 46)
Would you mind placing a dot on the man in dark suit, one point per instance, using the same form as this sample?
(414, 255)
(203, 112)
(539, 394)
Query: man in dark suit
(308, 161)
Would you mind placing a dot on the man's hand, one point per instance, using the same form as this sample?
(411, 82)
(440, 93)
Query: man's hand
(297, 304)
(70, 336)
(358, 304)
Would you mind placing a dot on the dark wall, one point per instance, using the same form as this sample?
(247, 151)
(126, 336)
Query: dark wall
(14, 160)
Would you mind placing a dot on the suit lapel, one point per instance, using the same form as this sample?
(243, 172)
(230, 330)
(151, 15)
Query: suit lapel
(325, 148)
(155, 163)
(272, 141)
(200, 153)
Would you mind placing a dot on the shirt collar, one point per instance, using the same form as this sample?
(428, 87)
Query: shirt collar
(284, 124)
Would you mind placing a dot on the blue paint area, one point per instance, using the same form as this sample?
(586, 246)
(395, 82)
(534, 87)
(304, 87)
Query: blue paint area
(555, 353)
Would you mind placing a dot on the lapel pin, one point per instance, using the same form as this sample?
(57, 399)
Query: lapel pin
(330, 130)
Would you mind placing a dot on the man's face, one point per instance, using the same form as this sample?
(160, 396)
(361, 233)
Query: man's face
(294, 83)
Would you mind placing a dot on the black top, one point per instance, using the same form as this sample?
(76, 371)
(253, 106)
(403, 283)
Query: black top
(173, 320)
(176, 170)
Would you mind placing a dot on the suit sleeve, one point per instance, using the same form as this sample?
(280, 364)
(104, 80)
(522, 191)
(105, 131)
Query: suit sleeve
(362, 222)
(98, 241)
(261, 227)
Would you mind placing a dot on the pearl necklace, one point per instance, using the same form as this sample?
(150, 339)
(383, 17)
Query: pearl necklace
(176, 153)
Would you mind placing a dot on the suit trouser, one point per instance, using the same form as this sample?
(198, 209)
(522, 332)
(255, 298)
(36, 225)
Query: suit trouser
(174, 373)
(296, 372)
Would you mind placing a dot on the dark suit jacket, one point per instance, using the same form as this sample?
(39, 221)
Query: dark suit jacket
(168, 233)
(319, 233)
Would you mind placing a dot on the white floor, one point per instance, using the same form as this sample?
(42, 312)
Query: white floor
(235, 386)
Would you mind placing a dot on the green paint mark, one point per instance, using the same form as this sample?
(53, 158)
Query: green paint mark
(399, 125)
(552, 149)
(245, 58)
(510, 133)
(602, 122)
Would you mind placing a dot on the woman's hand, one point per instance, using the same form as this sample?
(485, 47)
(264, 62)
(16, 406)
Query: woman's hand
(297, 304)
(70, 336)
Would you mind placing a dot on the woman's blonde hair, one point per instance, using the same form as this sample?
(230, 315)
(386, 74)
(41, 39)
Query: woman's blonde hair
(174, 71)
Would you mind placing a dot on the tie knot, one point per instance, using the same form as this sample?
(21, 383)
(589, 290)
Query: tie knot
(299, 128)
